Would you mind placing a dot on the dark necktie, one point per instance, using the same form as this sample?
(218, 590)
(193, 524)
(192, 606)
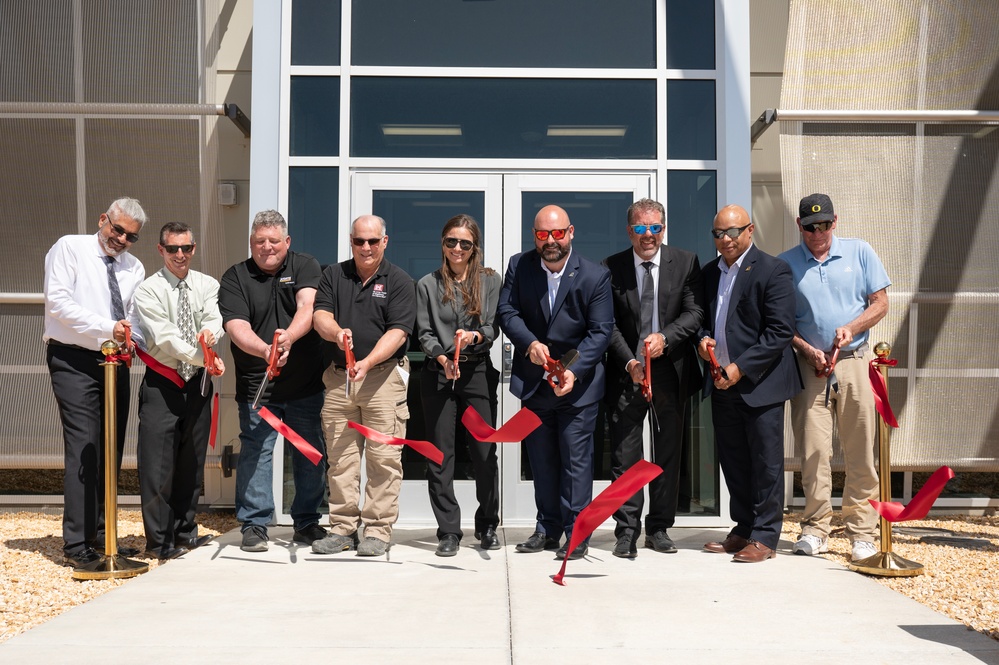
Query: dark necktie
(648, 303)
(117, 308)
(185, 321)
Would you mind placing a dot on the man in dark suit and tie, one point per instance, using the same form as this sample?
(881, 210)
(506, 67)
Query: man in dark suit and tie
(554, 301)
(749, 325)
(657, 299)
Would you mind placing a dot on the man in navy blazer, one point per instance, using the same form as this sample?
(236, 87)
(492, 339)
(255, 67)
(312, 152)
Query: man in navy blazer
(552, 301)
(749, 324)
(669, 281)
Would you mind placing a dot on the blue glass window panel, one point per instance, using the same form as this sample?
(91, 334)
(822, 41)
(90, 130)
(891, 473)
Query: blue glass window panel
(690, 119)
(415, 219)
(690, 34)
(512, 33)
(313, 200)
(599, 220)
(315, 116)
(503, 118)
(692, 202)
(315, 32)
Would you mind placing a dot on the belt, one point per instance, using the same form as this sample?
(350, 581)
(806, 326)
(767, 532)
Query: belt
(473, 357)
(390, 361)
(856, 353)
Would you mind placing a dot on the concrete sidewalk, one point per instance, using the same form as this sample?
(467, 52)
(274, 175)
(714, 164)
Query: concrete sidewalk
(221, 605)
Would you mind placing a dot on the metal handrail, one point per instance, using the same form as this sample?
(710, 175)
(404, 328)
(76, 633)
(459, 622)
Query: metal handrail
(968, 116)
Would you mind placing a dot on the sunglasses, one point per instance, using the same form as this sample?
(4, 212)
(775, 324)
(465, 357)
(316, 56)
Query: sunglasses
(557, 234)
(640, 229)
(451, 243)
(732, 233)
(816, 226)
(371, 242)
(173, 249)
(118, 231)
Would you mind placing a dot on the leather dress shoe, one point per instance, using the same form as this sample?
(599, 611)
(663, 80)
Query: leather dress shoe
(754, 552)
(625, 548)
(538, 542)
(488, 539)
(577, 553)
(166, 552)
(448, 546)
(660, 542)
(82, 558)
(193, 542)
(730, 545)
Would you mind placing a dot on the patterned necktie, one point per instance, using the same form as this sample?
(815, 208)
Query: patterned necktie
(185, 320)
(117, 308)
(648, 303)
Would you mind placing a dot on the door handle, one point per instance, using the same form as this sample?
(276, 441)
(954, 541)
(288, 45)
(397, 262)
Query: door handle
(507, 361)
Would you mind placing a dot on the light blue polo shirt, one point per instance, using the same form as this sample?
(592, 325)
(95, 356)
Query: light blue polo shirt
(833, 293)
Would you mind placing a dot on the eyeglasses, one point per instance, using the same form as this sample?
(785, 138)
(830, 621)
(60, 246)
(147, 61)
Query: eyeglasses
(640, 229)
(451, 243)
(118, 231)
(173, 249)
(732, 233)
(557, 234)
(817, 226)
(371, 242)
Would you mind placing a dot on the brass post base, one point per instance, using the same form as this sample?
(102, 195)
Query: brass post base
(110, 567)
(887, 564)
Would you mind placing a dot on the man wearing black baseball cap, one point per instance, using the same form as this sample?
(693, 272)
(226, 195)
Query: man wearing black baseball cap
(841, 287)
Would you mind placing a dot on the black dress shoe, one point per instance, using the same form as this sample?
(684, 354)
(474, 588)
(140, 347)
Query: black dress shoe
(193, 542)
(310, 534)
(82, 558)
(538, 542)
(660, 542)
(166, 552)
(123, 550)
(488, 539)
(448, 546)
(625, 548)
(577, 553)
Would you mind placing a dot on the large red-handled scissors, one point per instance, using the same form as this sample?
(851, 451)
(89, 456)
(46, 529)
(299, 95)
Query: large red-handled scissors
(350, 361)
(717, 371)
(272, 371)
(127, 354)
(210, 369)
(556, 368)
(827, 370)
(457, 356)
(647, 392)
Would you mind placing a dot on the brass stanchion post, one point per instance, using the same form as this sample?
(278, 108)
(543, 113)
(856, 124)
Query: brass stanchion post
(112, 564)
(885, 563)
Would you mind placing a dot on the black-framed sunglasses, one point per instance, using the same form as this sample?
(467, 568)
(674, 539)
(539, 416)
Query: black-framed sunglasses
(640, 229)
(118, 231)
(371, 242)
(451, 243)
(816, 226)
(732, 233)
(173, 249)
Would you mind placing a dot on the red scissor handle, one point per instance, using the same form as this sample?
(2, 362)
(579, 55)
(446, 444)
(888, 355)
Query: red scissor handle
(349, 356)
(457, 350)
(647, 381)
(556, 372)
(830, 365)
(716, 369)
(126, 354)
(272, 366)
(210, 356)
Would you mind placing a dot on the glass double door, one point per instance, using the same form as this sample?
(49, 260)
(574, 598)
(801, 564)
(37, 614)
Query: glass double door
(415, 207)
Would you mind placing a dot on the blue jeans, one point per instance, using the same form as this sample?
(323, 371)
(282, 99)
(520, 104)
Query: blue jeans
(255, 467)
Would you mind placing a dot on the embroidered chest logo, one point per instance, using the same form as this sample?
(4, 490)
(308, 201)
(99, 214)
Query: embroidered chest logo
(285, 281)
(378, 291)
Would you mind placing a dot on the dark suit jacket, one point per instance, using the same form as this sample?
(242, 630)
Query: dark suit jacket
(759, 327)
(581, 319)
(681, 313)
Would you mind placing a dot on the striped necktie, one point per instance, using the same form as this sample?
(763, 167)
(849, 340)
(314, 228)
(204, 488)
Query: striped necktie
(185, 321)
(117, 308)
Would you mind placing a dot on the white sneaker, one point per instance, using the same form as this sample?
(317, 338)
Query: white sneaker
(809, 545)
(863, 549)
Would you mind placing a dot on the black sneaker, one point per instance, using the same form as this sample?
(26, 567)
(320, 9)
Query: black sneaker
(254, 539)
(310, 534)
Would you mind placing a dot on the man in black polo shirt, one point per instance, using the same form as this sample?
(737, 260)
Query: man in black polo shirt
(368, 305)
(274, 291)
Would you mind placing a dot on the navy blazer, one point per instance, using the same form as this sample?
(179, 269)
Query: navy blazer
(681, 315)
(759, 327)
(582, 319)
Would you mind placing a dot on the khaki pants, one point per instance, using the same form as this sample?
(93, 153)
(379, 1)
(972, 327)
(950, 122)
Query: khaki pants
(856, 421)
(378, 402)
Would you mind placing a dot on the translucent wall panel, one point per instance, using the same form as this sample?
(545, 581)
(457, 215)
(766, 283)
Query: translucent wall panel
(29, 73)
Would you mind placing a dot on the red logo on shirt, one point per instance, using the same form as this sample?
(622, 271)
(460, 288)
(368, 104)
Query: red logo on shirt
(378, 291)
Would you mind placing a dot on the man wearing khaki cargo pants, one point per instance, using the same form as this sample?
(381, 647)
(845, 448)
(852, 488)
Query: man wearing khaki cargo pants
(368, 305)
(840, 287)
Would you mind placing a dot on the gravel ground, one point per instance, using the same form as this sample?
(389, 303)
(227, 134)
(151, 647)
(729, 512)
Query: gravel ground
(960, 553)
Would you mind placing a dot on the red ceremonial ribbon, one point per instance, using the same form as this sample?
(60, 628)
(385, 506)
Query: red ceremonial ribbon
(215, 421)
(602, 507)
(647, 381)
(425, 448)
(291, 436)
(514, 430)
(166, 372)
(881, 390)
(893, 511)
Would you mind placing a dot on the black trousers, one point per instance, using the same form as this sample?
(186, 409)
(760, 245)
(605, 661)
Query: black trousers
(174, 425)
(442, 410)
(750, 441)
(78, 384)
(627, 417)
